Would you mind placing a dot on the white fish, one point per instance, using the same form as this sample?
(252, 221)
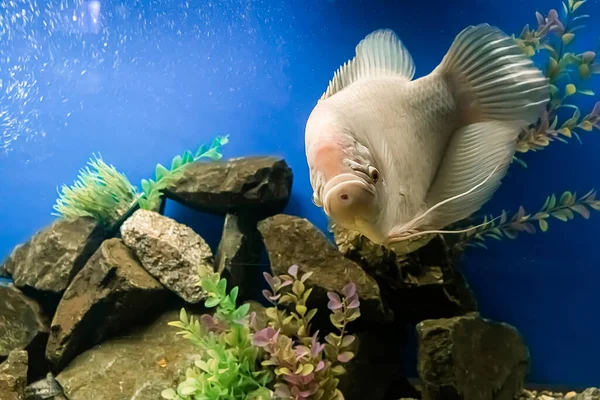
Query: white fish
(394, 158)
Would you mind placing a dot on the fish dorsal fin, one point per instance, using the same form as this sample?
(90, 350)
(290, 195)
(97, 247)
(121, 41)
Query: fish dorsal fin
(380, 53)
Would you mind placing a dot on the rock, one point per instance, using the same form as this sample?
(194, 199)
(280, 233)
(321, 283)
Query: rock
(251, 185)
(418, 281)
(111, 293)
(239, 253)
(470, 358)
(22, 327)
(52, 257)
(137, 366)
(45, 389)
(13, 376)
(171, 252)
(292, 240)
(376, 373)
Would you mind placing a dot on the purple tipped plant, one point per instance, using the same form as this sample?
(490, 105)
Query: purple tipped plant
(304, 367)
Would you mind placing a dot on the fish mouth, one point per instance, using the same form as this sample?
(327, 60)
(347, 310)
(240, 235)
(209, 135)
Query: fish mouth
(342, 180)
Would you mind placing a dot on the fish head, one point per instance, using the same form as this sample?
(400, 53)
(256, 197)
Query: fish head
(346, 181)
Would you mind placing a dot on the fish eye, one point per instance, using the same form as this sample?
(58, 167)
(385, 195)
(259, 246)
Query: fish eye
(373, 174)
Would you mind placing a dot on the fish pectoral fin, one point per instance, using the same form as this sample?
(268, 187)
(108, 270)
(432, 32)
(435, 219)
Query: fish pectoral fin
(476, 153)
(380, 53)
(493, 78)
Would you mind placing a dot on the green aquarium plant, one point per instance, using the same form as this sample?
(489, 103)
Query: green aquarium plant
(100, 192)
(569, 74)
(105, 194)
(284, 360)
(163, 177)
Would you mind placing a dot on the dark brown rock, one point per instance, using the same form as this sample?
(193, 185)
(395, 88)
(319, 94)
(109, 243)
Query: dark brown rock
(22, 327)
(418, 280)
(376, 373)
(139, 365)
(13, 376)
(110, 294)
(470, 358)
(171, 252)
(52, 257)
(258, 185)
(291, 240)
(239, 253)
(45, 389)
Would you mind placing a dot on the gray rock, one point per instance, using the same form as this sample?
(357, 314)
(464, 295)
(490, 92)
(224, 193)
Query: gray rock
(417, 279)
(239, 253)
(22, 327)
(470, 358)
(250, 185)
(171, 252)
(292, 240)
(13, 376)
(45, 389)
(111, 293)
(52, 257)
(137, 366)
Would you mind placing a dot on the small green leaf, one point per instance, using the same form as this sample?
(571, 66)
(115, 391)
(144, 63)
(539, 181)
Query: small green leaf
(212, 302)
(586, 92)
(300, 309)
(566, 199)
(183, 316)
(176, 163)
(543, 225)
(234, 294)
(188, 157)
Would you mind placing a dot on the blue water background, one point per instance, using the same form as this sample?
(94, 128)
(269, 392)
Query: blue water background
(154, 78)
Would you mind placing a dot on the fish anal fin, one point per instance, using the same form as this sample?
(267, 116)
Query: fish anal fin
(475, 152)
(380, 53)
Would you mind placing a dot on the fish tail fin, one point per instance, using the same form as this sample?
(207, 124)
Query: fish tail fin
(493, 79)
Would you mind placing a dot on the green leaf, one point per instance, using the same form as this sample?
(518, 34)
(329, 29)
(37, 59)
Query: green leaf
(586, 92)
(183, 316)
(242, 311)
(160, 172)
(566, 199)
(188, 157)
(338, 370)
(234, 294)
(212, 302)
(176, 163)
(146, 186)
(543, 225)
(563, 215)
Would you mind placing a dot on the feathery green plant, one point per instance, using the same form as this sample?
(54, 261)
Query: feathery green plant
(100, 192)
